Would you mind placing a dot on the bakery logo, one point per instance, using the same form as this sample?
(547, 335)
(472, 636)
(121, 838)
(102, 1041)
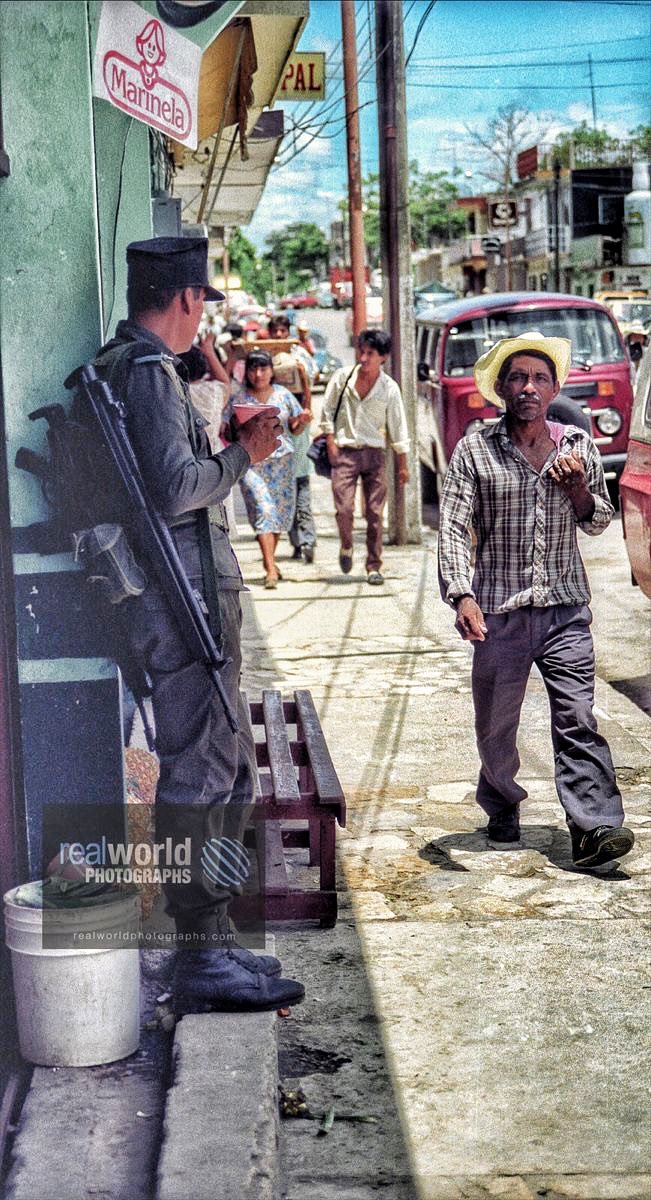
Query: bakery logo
(137, 86)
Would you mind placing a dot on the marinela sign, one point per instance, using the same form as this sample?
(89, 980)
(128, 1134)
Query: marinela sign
(148, 70)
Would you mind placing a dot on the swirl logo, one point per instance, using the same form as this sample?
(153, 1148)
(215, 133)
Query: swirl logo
(225, 862)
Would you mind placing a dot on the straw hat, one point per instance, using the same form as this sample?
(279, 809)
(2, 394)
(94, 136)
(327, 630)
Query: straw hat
(487, 368)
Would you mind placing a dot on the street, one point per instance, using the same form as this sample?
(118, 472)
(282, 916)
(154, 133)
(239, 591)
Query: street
(476, 1018)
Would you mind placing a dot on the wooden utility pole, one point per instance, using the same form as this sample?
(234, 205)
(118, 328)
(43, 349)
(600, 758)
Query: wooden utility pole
(355, 215)
(395, 234)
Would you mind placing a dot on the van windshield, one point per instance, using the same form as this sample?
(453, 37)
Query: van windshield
(591, 332)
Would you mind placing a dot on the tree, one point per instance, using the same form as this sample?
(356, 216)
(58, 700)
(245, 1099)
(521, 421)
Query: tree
(254, 273)
(431, 195)
(506, 133)
(641, 141)
(584, 145)
(297, 252)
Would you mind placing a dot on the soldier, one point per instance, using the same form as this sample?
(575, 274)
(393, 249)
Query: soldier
(207, 772)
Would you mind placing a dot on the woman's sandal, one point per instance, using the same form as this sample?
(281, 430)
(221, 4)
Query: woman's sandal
(271, 581)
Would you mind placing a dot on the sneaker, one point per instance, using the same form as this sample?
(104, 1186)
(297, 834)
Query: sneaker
(346, 561)
(592, 847)
(505, 826)
(308, 554)
(224, 981)
(375, 578)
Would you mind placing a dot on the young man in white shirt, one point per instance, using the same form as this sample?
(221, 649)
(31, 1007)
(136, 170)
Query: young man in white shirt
(371, 410)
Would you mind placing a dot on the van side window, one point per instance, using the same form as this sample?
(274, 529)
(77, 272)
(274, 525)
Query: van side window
(434, 341)
(464, 346)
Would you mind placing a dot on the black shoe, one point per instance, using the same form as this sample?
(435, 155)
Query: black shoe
(267, 963)
(223, 981)
(505, 827)
(308, 554)
(297, 552)
(346, 561)
(592, 847)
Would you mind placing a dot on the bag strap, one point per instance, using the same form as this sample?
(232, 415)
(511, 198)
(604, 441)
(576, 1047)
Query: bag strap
(341, 396)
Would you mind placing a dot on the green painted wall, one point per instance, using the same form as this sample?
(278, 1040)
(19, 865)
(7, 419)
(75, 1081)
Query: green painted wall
(78, 192)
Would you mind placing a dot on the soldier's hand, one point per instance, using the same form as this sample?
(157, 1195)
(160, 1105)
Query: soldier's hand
(260, 435)
(470, 620)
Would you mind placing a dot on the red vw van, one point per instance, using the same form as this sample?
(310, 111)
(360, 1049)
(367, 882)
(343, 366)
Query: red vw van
(451, 337)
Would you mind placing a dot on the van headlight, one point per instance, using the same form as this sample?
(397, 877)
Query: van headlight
(608, 421)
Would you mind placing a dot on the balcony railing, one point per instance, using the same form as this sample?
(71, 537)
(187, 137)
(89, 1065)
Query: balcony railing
(543, 241)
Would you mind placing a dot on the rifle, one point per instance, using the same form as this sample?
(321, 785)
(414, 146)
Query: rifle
(157, 539)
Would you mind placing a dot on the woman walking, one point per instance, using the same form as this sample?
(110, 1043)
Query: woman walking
(269, 487)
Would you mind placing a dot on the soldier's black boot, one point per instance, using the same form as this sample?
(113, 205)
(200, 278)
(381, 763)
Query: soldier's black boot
(224, 981)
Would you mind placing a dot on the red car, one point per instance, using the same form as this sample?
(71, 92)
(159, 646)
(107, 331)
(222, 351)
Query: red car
(635, 484)
(299, 300)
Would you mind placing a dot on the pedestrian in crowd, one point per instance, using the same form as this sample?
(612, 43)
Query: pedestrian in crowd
(269, 486)
(209, 391)
(522, 487)
(303, 334)
(302, 533)
(369, 409)
(207, 772)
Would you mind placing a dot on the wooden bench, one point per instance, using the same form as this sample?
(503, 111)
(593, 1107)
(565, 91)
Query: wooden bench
(301, 798)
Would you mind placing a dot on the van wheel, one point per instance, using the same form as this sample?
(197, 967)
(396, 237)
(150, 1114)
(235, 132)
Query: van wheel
(429, 485)
(613, 492)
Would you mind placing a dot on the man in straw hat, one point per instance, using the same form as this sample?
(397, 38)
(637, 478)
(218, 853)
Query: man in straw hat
(522, 486)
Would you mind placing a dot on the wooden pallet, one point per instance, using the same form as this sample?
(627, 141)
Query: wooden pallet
(301, 798)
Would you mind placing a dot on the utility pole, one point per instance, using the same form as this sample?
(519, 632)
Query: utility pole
(395, 234)
(557, 231)
(594, 102)
(355, 215)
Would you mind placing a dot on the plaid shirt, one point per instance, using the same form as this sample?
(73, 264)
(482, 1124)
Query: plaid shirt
(525, 525)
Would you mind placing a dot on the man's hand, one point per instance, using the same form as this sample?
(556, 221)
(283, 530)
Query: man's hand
(568, 472)
(403, 469)
(299, 422)
(470, 620)
(332, 448)
(260, 435)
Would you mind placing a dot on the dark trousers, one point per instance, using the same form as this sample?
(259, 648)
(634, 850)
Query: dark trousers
(207, 773)
(303, 530)
(558, 640)
(369, 465)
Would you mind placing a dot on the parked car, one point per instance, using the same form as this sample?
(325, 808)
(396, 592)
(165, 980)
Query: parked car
(451, 337)
(299, 300)
(374, 313)
(434, 292)
(326, 363)
(635, 484)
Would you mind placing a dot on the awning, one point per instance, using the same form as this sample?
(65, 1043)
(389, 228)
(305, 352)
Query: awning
(221, 182)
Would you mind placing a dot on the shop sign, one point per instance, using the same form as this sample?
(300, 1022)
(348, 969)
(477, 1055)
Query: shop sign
(305, 77)
(503, 213)
(148, 70)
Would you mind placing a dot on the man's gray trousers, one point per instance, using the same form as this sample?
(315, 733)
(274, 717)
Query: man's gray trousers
(558, 640)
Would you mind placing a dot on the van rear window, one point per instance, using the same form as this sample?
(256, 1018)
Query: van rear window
(591, 332)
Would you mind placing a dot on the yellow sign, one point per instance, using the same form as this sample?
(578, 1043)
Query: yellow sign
(304, 77)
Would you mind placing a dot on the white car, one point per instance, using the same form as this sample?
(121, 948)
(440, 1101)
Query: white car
(374, 313)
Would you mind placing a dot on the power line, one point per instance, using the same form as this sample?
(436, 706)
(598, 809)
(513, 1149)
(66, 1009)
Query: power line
(421, 23)
(578, 62)
(434, 62)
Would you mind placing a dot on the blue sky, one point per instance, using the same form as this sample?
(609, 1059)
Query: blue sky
(470, 58)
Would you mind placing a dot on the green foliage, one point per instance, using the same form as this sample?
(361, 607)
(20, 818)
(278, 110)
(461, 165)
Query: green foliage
(254, 272)
(591, 146)
(641, 141)
(298, 252)
(431, 194)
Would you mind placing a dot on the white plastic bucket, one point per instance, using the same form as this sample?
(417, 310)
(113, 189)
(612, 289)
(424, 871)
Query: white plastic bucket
(75, 1008)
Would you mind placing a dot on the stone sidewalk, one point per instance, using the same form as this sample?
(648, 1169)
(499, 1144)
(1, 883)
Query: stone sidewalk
(509, 990)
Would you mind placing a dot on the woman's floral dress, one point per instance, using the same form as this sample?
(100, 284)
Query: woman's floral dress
(268, 487)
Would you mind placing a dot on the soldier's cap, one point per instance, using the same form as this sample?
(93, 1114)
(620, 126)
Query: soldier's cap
(259, 358)
(487, 368)
(172, 262)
